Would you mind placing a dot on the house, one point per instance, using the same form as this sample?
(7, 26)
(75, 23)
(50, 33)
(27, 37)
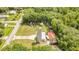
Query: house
(3, 17)
(41, 35)
(12, 12)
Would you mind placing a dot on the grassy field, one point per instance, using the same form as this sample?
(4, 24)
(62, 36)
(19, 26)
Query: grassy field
(7, 30)
(19, 45)
(24, 42)
(27, 30)
(30, 30)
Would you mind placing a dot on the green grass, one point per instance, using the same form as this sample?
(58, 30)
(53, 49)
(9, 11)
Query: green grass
(43, 48)
(19, 45)
(30, 30)
(11, 17)
(1, 20)
(26, 45)
(11, 23)
(24, 42)
(3, 41)
(7, 31)
(27, 30)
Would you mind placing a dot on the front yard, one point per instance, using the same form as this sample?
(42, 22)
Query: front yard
(19, 45)
(26, 45)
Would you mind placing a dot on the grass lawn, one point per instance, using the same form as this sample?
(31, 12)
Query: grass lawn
(24, 42)
(44, 48)
(27, 30)
(7, 30)
(2, 20)
(30, 30)
(19, 45)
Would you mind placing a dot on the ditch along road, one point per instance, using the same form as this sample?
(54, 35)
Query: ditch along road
(11, 36)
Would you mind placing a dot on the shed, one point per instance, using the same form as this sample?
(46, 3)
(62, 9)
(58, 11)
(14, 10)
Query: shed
(41, 35)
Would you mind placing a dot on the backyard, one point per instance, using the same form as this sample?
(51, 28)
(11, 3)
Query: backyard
(30, 30)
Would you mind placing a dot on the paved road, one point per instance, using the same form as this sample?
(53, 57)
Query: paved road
(8, 39)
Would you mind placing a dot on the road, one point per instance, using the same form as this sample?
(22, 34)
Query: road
(8, 39)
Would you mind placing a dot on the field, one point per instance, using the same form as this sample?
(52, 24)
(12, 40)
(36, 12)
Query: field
(24, 42)
(29, 30)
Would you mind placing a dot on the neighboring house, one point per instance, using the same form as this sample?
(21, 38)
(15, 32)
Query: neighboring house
(3, 18)
(12, 12)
